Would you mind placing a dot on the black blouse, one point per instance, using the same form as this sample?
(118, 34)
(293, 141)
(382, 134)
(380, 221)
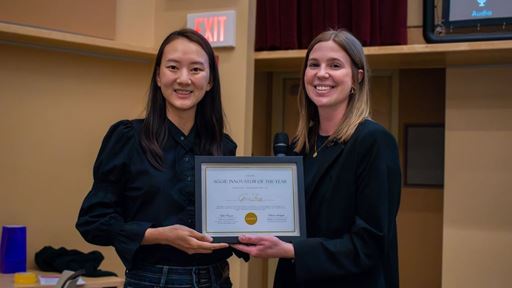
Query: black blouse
(129, 195)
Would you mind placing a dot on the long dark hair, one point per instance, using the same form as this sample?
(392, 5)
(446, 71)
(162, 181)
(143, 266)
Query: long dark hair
(209, 117)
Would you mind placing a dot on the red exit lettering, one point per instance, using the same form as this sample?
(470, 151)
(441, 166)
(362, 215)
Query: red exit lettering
(212, 28)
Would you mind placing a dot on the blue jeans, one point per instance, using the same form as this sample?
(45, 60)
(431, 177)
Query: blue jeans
(156, 276)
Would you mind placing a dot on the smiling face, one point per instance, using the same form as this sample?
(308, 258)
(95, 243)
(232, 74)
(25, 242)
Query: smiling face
(183, 76)
(328, 76)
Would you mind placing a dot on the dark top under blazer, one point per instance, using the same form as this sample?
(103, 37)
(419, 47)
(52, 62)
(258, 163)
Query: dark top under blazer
(352, 199)
(129, 195)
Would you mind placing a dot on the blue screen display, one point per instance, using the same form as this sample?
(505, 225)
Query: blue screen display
(462, 10)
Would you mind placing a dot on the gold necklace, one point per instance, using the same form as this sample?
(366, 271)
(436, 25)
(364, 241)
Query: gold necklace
(320, 148)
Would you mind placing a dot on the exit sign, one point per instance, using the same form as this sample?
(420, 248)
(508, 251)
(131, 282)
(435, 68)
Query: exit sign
(217, 27)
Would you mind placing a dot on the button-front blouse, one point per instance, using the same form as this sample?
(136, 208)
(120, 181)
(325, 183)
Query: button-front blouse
(129, 195)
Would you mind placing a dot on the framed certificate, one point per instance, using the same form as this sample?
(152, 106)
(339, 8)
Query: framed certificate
(250, 195)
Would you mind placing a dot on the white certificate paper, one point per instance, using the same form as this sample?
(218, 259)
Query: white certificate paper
(252, 198)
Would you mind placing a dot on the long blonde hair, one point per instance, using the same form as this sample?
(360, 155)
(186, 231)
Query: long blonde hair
(358, 107)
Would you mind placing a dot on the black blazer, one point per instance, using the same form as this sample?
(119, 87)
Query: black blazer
(352, 199)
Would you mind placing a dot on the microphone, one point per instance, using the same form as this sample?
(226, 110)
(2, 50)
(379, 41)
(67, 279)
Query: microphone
(281, 144)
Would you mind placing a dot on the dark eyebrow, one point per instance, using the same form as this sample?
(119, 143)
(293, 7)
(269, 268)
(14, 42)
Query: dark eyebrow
(329, 59)
(192, 63)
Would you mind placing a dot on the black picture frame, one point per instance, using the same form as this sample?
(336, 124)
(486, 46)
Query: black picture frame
(435, 32)
(424, 155)
(203, 163)
(472, 22)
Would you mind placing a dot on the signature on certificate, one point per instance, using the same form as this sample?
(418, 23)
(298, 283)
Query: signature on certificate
(250, 197)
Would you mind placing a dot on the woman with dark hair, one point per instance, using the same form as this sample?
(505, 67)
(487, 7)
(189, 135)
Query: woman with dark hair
(142, 198)
(352, 178)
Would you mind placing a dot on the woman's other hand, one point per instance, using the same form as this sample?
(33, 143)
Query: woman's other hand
(183, 238)
(264, 247)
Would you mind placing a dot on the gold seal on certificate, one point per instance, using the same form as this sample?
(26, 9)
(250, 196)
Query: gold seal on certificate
(251, 218)
(249, 195)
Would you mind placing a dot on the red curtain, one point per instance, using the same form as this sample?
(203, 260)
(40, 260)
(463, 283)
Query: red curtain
(292, 24)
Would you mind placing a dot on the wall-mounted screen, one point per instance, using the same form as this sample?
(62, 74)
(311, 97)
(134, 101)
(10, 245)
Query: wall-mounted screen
(471, 12)
(467, 20)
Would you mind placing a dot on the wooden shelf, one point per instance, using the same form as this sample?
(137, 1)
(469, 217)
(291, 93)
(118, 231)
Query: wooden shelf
(23, 35)
(382, 57)
(403, 56)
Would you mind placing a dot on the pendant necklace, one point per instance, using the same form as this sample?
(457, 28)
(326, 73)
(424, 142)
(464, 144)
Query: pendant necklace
(319, 148)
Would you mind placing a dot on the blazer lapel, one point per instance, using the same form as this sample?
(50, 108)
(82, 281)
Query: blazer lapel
(324, 160)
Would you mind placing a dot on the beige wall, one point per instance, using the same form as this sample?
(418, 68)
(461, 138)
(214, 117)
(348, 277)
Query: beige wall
(95, 18)
(55, 108)
(414, 13)
(135, 22)
(476, 218)
(477, 214)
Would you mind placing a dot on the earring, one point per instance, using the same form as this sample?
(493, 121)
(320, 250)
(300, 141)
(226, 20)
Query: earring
(352, 90)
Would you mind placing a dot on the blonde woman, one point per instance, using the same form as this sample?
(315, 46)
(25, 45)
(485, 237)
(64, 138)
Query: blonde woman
(352, 179)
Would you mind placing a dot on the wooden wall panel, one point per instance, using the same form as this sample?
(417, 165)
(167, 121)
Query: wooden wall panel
(95, 18)
(420, 219)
